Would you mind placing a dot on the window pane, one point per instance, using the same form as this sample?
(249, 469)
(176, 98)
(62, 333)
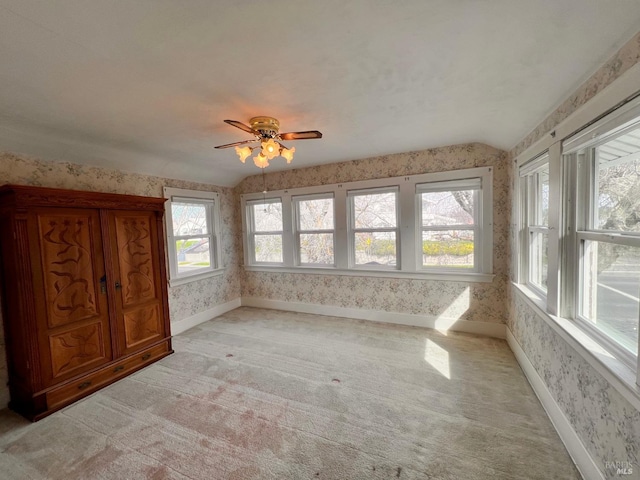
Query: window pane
(375, 248)
(189, 218)
(268, 248)
(316, 214)
(448, 248)
(267, 217)
(316, 248)
(611, 287)
(376, 210)
(618, 177)
(193, 254)
(539, 259)
(543, 197)
(447, 208)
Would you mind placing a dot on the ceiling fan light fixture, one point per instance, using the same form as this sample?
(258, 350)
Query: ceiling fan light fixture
(287, 153)
(267, 138)
(261, 161)
(270, 149)
(243, 153)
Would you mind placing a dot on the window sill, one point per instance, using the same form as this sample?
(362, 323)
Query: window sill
(614, 371)
(444, 276)
(174, 282)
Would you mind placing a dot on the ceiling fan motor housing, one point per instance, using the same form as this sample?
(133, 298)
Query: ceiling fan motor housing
(267, 126)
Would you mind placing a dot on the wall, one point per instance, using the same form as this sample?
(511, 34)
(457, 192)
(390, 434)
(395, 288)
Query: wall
(607, 424)
(184, 300)
(478, 302)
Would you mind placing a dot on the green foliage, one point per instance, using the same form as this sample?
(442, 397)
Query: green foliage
(376, 247)
(383, 247)
(458, 248)
(183, 244)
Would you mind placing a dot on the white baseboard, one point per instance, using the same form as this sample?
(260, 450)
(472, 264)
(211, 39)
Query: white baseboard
(569, 437)
(497, 330)
(190, 322)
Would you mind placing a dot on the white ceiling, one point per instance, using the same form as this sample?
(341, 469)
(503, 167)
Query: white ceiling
(144, 85)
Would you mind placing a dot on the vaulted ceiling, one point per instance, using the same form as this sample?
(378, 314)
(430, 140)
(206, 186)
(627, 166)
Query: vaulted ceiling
(144, 85)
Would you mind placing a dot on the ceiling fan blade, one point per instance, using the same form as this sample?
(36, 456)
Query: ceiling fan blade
(236, 143)
(308, 135)
(242, 126)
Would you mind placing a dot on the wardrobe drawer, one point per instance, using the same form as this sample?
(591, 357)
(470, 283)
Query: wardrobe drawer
(94, 381)
(141, 358)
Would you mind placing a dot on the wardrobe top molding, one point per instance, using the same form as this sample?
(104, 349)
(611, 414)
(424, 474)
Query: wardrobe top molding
(26, 196)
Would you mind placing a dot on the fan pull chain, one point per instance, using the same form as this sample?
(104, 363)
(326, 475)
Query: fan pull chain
(264, 191)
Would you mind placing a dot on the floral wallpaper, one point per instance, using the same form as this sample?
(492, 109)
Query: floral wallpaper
(481, 302)
(607, 424)
(459, 300)
(184, 300)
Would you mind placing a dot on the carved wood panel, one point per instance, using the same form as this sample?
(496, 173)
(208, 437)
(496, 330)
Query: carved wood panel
(76, 348)
(72, 308)
(140, 302)
(66, 252)
(142, 325)
(135, 257)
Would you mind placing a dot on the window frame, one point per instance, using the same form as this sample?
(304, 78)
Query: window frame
(211, 201)
(529, 226)
(571, 184)
(407, 266)
(297, 232)
(251, 233)
(352, 230)
(580, 160)
(479, 251)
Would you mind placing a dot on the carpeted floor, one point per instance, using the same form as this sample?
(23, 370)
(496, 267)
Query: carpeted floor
(265, 394)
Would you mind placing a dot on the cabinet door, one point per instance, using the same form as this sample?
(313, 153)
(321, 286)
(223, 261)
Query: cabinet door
(71, 300)
(137, 280)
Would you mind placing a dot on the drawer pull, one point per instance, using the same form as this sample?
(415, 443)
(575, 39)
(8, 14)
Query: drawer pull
(84, 385)
(146, 356)
(118, 368)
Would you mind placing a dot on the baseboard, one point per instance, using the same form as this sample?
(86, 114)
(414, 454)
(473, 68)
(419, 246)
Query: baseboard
(190, 322)
(579, 454)
(497, 330)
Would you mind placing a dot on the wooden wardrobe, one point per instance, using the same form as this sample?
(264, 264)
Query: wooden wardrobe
(84, 292)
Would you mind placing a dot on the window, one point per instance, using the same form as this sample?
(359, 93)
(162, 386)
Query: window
(449, 227)
(315, 229)
(373, 227)
(265, 231)
(534, 178)
(436, 224)
(192, 234)
(579, 247)
(608, 235)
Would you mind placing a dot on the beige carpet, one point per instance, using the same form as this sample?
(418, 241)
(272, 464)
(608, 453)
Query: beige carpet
(263, 394)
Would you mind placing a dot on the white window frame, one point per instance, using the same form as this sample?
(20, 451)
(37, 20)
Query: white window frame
(211, 200)
(580, 165)
(479, 251)
(296, 199)
(408, 227)
(352, 230)
(251, 233)
(530, 204)
(617, 105)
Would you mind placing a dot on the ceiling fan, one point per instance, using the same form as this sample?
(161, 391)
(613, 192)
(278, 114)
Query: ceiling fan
(266, 131)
